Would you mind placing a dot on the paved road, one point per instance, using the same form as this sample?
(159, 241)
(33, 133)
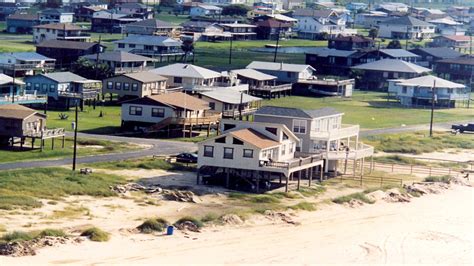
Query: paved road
(164, 147)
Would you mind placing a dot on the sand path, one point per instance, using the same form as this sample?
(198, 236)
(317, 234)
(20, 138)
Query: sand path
(431, 229)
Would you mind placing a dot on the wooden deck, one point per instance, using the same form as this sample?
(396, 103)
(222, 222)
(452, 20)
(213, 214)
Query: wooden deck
(271, 91)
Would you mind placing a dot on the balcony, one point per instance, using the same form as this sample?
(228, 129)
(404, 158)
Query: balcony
(85, 94)
(124, 70)
(271, 89)
(154, 53)
(361, 151)
(235, 112)
(23, 99)
(300, 162)
(344, 132)
(26, 67)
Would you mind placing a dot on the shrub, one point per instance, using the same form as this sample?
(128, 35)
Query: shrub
(210, 217)
(153, 225)
(51, 232)
(305, 206)
(264, 199)
(16, 236)
(96, 234)
(443, 179)
(357, 196)
(193, 220)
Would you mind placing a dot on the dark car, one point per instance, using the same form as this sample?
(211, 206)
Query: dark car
(463, 127)
(187, 158)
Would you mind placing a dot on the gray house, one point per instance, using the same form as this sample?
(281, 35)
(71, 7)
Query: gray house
(122, 62)
(64, 88)
(152, 46)
(135, 85)
(153, 27)
(320, 131)
(231, 103)
(285, 73)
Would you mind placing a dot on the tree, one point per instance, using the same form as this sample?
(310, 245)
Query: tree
(395, 44)
(235, 10)
(187, 47)
(91, 70)
(373, 33)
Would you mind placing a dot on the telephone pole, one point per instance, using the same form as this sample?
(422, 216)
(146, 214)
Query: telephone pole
(433, 98)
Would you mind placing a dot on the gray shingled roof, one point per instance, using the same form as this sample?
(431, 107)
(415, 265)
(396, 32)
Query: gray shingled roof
(253, 74)
(408, 21)
(185, 70)
(397, 53)
(150, 40)
(230, 96)
(325, 52)
(153, 23)
(440, 52)
(29, 56)
(296, 112)
(67, 44)
(315, 13)
(393, 65)
(261, 65)
(145, 76)
(63, 77)
(119, 56)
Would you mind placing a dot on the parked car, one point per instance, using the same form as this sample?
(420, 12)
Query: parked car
(187, 158)
(463, 127)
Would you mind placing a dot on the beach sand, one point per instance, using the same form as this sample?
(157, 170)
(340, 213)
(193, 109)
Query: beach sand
(436, 228)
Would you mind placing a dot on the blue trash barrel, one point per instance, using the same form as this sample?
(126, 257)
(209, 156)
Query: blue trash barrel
(169, 230)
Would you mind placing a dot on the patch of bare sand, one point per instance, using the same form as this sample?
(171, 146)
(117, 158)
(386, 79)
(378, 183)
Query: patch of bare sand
(460, 155)
(435, 228)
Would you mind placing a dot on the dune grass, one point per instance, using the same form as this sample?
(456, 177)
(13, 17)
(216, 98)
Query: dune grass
(21, 236)
(143, 163)
(193, 220)
(304, 205)
(441, 179)
(355, 196)
(419, 142)
(23, 188)
(153, 225)
(96, 234)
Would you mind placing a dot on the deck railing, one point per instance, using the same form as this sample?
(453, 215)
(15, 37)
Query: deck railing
(21, 67)
(6, 98)
(46, 133)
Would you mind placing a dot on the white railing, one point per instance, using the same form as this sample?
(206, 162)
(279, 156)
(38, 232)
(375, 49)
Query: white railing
(343, 132)
(362, 151)
(22, 98)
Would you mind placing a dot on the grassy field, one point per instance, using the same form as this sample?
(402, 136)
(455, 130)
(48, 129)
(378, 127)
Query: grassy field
(370, 110)
(85, 147)
(143, 163)
(23, 188)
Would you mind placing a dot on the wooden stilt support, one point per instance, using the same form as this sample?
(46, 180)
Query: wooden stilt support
(286, 184)
(299, 180)
(32, 143)
(52, 144)
(227, 176)
(280, 178)
(371, 164)
(198, 177)
(62, 146)
(258, 180)
(320, 173)
(42, 144)
(310, 176)
(354, 168)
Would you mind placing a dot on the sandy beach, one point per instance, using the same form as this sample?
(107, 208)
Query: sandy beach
(433, 229)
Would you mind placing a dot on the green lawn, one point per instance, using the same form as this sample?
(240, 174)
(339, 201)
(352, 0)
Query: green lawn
(85, 147)
(370, 110)
(89, 120)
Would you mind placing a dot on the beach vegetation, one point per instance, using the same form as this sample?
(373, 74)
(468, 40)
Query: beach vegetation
(354, 196)
(153, 225)
(96, 234)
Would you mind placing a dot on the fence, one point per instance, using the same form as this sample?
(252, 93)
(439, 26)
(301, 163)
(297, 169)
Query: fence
(378, 180)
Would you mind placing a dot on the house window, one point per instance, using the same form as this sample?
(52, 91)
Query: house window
(212, 105)
(289, 74)
(126, 86)
(237, 141)
(208, 151)
(317, 125)
(37, 86)
(228, 153)
(450, 90)
(292, 147)
(285, 137)
(121, 45)
(131, 46)
(44, 87)
(385, 74)
(52, 88)
(110, 85)
(157, 112)
(220, 140)
(118, 85)
(404, 89)
(28, 85)
(299, 126)
(332, 60)
(135, 110)
(178, 80)
(228, 127)
(248, 153)
(134, 86)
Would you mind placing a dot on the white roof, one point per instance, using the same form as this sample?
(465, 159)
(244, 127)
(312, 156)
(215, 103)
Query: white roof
(429, 81)
(5, 79)
(253, 74)
(185, 70)
(445, 21)
(230, 96)
(393, 65)
(260, 65)
(282, 17)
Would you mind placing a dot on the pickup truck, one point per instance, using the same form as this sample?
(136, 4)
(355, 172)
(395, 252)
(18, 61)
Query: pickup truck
(463, 127)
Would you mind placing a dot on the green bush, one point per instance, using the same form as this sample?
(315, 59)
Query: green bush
(96, 234)
(442, 179)
(193, 220)
(357, 196)
(153, 225)
(16, 236)
(210, 217)
(305, 206)
(51, 232)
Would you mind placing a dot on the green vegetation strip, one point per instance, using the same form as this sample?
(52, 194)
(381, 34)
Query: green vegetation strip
(20, 236)
(23, 188)
(96, 234)
(143, 163)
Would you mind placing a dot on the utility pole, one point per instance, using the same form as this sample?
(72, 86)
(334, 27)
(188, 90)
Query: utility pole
(433, 98)
(278, 40)
(13, 85)
(230, 50)
(97, 59)
(75, 141)
(240, 105)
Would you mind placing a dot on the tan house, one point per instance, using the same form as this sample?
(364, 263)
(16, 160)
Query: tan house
(138, 84)
(18, 122)
(254, 152)
(59, 31)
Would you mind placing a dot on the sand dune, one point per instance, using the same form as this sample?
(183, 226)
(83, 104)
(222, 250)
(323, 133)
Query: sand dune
(431, 229)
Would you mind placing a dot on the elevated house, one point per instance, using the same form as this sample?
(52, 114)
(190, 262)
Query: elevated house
(399, 54)
(261, 84)
(84, 12)
(168, 112)
(370, 19)
(55, 15)
(240, 31)
(320, 24)
(375, 75)
(64, 89)
(458, 69)
(421, 91)
(202, 10)
(204, 30)
(337, 62)
(22, 23)
(161, 47)
(321, 132)
(153, 27)
(448, 26)
(188, 76)
(13, 91)
(428, 56)
(258, 153)
(59, 31)
(231, 103)
(17, 123)
(457, 42)
(135, 85)
(7, 9)
(285, 73)
(25, 63)
(270, 27)
(135, 10)
(406, 27)
(120, 62)
(67, 52)
(108, 22)
(350, 43)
